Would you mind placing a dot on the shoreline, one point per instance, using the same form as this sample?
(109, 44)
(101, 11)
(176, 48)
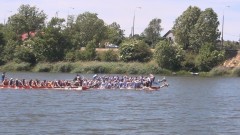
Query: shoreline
(93, 67)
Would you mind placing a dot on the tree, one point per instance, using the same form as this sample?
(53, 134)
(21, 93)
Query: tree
(115, 34)
(90, 51)
(28, 19)
(24, 53)
(152, 32)
(2, 39)
(51, 44)
(209, 57)
(184, 25)
(135, 50)
(8, 51)
(168, 56)
(88, 28)
(205, 30)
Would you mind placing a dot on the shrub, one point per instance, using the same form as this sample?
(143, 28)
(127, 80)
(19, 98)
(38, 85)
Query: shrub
(168, 56)
(236, 71)
(135, 51)
(62, 67)
(12, 66)
(46, 67)
(70, 56)
(219, 71)
(109, 56)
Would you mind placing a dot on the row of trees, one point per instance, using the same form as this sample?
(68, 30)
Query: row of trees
(51, 41)
(26, 37)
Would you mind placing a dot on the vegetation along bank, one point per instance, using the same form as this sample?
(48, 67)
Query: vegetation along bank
(78, 45)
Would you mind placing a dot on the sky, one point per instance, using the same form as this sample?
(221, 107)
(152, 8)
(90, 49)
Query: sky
(122, 12)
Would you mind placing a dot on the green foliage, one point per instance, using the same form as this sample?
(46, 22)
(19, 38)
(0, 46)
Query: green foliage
(43, 67)
(62, 67)
(24, 54)
(8, 52)
(195, 28)
(152, 32)
(236, 71)
(88, 27)
(28, 19)
(2, 40)
(13, 66)
(219, 71)
(90, 52)
(209, 57)
(51, 45)
(109, 56)
(135, 50)
(168, 56)
(231, 45)
(184, 25)
(189, 61)
(115, 34)
(70, 56)
(205, 30)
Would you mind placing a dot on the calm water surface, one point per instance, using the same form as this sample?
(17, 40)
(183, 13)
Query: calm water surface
(190, 106)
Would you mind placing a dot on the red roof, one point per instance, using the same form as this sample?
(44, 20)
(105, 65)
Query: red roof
(25, 35)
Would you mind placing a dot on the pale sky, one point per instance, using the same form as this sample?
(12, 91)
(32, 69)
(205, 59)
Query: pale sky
(122, 12)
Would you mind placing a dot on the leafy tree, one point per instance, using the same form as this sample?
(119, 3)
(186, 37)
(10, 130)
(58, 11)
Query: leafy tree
(50, 45)
(231, 45)
(115, 34)
(152, 32)
(88, 28)
(90, 51)
(8, 51)
(24, 54)
(209, 57)
(205, 30)
(184, 25)
(28, 19)
(135, 50)
(2, 39)
(168, 56)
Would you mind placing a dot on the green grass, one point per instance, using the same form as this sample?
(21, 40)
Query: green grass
(111, 68)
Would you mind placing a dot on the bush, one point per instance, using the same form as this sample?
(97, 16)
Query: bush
(12, 66)
(219, 71)
(135, 51)
(189, 62)
(168, 56)
(236, 71)
(208, 57)
(24, 54)
(62, 67)
(109, 56)
(70, 56)
(46, 67)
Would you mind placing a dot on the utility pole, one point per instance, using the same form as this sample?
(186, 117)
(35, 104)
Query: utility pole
(223, 25)
(132, 31)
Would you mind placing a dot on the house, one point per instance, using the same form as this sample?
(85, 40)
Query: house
(169, 35)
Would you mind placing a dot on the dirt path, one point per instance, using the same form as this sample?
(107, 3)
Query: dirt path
(234, 62)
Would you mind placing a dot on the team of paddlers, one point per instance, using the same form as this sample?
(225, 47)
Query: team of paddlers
(99, 82)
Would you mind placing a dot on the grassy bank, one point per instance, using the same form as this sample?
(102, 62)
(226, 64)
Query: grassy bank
(111, 68)
(89, 67)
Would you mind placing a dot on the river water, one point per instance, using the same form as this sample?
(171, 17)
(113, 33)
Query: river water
(190, 106)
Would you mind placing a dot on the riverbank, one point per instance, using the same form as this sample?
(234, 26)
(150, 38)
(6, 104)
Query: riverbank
(113, 68)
